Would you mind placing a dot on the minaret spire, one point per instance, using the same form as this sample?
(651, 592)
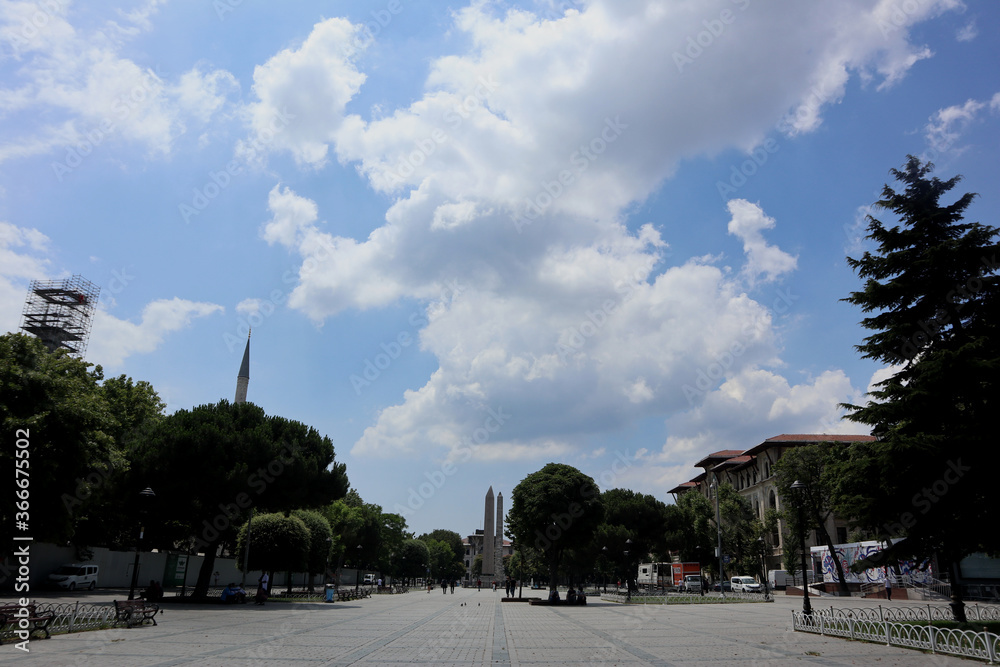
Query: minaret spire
(243, 379)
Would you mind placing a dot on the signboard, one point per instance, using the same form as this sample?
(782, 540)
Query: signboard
(173, 571)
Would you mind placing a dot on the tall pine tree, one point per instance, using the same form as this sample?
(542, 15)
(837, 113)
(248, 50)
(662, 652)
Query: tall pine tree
(931, 292)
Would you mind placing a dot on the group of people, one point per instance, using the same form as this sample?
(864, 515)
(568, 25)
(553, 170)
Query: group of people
(573, 596)
(444, 586)
(234, 594)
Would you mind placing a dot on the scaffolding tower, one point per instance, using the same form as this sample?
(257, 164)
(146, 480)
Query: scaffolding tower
(59, 312)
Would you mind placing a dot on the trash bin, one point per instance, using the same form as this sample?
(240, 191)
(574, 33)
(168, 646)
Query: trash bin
(329, 593)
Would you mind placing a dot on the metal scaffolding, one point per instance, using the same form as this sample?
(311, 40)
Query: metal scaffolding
(60, 312)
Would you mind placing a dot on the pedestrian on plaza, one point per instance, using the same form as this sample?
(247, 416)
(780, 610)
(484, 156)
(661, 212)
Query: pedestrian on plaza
(452, 586)
(479, 584)
(262, 588)
(888, 586)
(444, 587)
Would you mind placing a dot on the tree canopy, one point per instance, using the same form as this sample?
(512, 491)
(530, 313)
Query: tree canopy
(277, 543)
(555, 509)
(53, 402)
(220, 460)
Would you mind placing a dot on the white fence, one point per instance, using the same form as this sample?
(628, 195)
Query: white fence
(71, 617)
(908, 627)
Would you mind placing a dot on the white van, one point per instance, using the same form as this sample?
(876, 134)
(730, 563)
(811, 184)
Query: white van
(745, 585)
(74, 576)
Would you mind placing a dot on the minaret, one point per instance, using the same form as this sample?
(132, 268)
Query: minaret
(488, 536)
(243, 379)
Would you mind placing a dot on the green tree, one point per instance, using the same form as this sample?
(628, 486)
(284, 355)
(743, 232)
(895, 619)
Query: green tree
(345, 524)
(455, 568)
(812, 465)
(106, 516)
(219, 461)
(413, 559)
(555, 509)
(441, 558)
(740, 530)
(320, 542)
(52, 402)
(394, 535)
(690, 529)
(278, 543)
(633, 522)
(931, 289)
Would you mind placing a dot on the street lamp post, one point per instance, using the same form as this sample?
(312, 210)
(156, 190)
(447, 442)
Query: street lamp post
(701, 580)
(357, 574)
(604, 552)
(800, 490)
(628, 587)
(718, 530)
(145, 493)
(246, 553)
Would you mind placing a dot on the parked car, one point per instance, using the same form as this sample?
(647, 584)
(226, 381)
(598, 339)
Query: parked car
(691, 583)
(726, 586)
(745, 584)
(74, 576)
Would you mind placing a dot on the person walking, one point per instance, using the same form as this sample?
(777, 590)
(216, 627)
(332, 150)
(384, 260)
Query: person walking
(888, 586)
(262, 588)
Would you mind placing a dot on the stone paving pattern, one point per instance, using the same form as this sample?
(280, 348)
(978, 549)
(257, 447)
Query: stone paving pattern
(468, 627)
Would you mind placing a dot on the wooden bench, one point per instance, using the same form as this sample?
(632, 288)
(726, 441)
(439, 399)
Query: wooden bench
(135, 612)
(12, 614)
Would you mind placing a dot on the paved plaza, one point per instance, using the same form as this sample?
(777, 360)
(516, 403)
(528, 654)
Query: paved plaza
(468, 627)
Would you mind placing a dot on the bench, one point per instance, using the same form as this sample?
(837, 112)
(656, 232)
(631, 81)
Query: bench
(135, 612)
(13, 614)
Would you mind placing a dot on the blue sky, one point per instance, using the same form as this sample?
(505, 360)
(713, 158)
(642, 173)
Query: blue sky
(475, 238)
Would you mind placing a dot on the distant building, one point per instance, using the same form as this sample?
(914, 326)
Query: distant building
(750, 472)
